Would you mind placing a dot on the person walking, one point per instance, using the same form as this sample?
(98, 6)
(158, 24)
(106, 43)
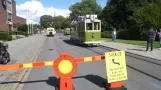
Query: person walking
(114, 35)
(151, 37)
(159, 33)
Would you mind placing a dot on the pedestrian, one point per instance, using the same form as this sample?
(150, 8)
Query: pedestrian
(159, 33)
(151, 34)
(114, 35)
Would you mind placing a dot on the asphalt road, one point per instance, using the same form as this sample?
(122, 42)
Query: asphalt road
(21, 51)
(89, 76)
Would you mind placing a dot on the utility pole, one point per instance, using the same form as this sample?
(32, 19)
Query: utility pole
(32, 23)
(29, 15)
(53, 20)
(28, 27)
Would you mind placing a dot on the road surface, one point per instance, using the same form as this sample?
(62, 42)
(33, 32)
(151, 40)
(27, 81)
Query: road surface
(89, 76)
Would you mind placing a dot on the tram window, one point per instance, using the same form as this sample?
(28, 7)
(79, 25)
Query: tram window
(89, 26)
(96, 26)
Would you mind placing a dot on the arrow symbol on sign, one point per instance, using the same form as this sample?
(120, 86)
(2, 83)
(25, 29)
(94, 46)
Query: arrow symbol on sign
(115, 62)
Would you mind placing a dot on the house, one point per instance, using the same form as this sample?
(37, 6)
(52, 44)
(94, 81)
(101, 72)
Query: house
(8, 17)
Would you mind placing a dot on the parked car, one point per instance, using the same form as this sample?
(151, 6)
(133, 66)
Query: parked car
(4, 55)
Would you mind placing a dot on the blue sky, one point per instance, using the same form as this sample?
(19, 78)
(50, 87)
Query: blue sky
(37, 8)
(61, 4)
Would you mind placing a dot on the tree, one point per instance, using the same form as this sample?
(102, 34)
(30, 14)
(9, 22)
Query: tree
(60, 22)
(148, 16)
(37, 26)
(46, 21)
(56, 22)
(131, 17)
(83, 8)
(22, 27)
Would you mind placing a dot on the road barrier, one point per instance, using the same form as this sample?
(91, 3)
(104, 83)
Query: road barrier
(65, 67)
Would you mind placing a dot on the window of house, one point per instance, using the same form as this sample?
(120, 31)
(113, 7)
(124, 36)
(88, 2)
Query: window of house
(9, 6)
(10, 17)
(88, 26)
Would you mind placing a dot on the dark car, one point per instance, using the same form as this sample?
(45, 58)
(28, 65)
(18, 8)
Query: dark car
(4, 55)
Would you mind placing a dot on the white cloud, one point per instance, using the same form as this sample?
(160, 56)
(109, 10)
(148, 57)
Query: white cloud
(37, 9)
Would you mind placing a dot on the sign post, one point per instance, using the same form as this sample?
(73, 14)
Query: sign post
(116, 70)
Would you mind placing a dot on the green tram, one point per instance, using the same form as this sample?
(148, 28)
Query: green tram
(86, 30)
(67, 31)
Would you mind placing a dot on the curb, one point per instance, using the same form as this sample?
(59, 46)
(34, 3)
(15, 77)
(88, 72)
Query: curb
(23, 74)
(131, 53)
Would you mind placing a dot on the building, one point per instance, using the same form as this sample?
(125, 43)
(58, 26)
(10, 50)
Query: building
(8, 17)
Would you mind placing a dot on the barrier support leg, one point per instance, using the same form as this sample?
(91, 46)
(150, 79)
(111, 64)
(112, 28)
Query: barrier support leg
(114, 86)
(65, 84)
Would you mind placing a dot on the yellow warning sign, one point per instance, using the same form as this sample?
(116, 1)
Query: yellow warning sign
(116, 66)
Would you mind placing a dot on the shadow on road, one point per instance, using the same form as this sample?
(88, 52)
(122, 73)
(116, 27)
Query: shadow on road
(95, 79)
(74, 44)
(136, 49)
(67, 41)
(54, 81)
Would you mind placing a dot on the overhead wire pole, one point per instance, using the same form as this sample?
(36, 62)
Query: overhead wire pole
(27, 21)
(54, 17)
(30, 23)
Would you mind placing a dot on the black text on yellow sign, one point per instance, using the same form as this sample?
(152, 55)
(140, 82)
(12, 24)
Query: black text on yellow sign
(116, 66)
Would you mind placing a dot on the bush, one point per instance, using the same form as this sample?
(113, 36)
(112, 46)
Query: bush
(123, 34)
(106, 34)
(23, 33)
(22, 27)
(60, 30)
(19, 33)
(5, 35)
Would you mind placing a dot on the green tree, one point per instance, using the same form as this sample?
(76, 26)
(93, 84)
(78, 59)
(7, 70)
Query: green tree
(22, 27)
(148, 16)
(36, 26)
(60, 22)
(46, 21)
(83, 8)
(131, 17)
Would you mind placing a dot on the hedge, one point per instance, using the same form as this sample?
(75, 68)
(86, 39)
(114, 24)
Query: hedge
(106, 34)
(5, 35)
(19, 33)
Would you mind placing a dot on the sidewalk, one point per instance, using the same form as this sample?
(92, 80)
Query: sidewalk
(156, 53)
(21, 51)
